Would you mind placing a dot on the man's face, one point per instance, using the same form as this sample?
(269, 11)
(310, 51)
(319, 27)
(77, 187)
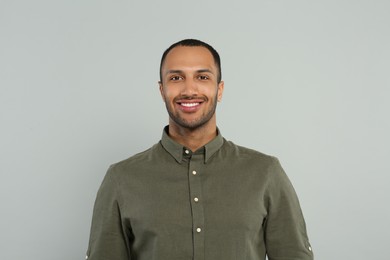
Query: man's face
(189, 86)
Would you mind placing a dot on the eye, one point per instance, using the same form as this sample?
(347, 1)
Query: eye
(175, 78)
(203, 77)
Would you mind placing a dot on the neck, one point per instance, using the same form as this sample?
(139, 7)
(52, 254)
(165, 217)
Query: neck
(192, 138)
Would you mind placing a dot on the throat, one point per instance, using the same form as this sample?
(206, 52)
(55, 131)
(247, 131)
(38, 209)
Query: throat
(192, 138)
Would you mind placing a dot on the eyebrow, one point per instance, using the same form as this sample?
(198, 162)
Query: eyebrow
(180, 71)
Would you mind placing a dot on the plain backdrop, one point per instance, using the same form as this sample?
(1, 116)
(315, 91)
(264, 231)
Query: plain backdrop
(306, 81)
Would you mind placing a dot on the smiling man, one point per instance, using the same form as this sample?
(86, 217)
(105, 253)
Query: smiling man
(195, 195)
(191, 85)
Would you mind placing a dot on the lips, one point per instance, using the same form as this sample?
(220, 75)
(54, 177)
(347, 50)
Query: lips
(189, 105)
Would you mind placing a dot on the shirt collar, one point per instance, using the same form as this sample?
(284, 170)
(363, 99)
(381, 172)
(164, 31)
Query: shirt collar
(177, 150)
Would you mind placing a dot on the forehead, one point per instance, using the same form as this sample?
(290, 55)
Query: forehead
(182, 57)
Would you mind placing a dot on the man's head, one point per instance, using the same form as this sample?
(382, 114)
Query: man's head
(190, 84)
(194, 43)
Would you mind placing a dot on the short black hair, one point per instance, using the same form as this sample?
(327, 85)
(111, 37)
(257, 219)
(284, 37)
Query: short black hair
(194, 43)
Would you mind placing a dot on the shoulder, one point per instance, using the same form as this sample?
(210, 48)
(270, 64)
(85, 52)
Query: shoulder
(135, 162)
(249, 154)
(252, 163)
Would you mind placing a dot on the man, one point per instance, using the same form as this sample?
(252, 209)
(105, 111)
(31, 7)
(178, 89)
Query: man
(195, 195)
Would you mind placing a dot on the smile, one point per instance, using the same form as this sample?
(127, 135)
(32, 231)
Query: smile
(189, 104)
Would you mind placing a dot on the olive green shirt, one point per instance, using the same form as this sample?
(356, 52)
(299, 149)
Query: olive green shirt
(221, 202)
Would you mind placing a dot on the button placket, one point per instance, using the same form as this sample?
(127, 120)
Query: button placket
(196, 204)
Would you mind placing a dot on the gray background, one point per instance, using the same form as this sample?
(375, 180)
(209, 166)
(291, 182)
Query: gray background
(306, 81)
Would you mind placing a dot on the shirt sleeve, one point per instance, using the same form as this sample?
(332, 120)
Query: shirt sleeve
(285, 229)
(108, 238)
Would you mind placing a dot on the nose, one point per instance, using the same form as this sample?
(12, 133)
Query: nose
(190, 87)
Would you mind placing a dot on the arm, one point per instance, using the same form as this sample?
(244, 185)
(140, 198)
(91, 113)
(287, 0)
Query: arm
(108, 237)
(285, 228)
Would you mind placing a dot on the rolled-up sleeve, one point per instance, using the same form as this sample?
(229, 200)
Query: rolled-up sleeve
(285, 229)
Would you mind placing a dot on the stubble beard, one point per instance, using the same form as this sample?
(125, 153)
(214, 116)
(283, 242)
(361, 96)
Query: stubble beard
(196, 123)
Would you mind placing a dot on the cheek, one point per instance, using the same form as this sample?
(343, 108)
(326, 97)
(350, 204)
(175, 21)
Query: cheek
(171, 92)
(168, 95)
(212, 92)
(207, 89)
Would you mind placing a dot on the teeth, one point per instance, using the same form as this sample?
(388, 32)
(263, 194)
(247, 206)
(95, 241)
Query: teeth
(189, 104)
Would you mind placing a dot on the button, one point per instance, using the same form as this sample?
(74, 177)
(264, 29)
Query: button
(86, 257)
(196, 199)
(309, 248)
(198, 230)
(193, 172)
(187, 152)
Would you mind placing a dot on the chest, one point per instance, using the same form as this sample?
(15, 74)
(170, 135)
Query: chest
(196, 195)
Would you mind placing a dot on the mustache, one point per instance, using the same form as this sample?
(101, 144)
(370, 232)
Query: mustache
(187, 97)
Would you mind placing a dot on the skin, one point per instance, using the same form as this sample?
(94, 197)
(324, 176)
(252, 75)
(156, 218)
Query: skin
(190, 91)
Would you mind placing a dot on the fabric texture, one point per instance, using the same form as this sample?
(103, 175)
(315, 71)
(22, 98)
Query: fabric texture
(222, 202)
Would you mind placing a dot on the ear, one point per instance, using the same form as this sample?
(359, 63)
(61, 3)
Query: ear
(221, 86)
(160, 86)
